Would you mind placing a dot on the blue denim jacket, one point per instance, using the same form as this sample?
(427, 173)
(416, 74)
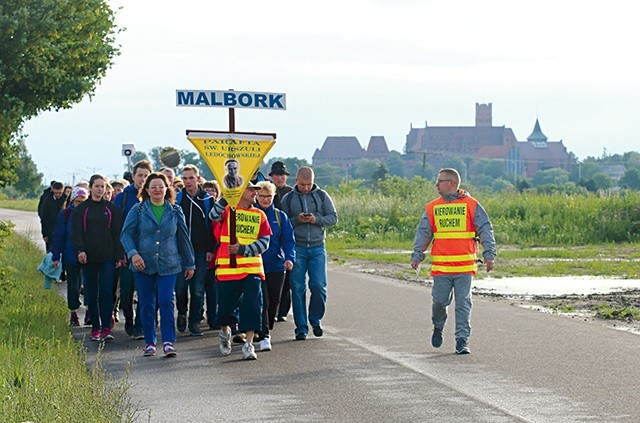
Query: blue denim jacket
(165, 248)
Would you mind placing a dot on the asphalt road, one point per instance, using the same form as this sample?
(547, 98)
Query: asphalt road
(375, 364)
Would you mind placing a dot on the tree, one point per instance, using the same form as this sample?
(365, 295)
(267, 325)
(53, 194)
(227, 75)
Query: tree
(292, 163)
(328, 175)
(555, 176)
(631, 179)
(396, 164)
(458, 164)
(53, 53)
(489, 167)
(29, 179)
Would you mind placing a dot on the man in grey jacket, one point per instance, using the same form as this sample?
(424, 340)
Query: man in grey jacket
(454, 222)
(311, 210)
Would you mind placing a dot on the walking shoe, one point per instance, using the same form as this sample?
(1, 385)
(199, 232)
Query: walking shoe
(106, 335)
(137, 333)
(182, 322)
(73, 320)
(239, 338)
(248, 352)
(461, 346)
(150, 350)
(301, 336)
(225, 343)
(169, 350)
(265, 344)
(436, 338)
(95, 335)
(128, 328)
(281, 319)
(317, 331)
(194, 330)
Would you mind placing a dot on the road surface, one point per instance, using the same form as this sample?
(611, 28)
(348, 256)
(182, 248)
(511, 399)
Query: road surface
(375, 364)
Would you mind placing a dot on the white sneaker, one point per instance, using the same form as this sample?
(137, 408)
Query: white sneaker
(225, 342)
(248, 352)
(265, 344)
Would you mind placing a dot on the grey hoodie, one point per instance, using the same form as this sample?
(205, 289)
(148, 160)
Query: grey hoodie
(481, 222)
(316, 202)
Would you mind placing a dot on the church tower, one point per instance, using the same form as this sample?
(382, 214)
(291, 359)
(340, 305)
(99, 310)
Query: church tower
(483, 115)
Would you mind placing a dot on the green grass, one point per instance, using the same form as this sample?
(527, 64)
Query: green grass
(43, 373)
(606, 311)
(24, 205)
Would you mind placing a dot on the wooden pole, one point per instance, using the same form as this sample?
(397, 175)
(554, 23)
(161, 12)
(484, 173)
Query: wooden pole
(232, 212)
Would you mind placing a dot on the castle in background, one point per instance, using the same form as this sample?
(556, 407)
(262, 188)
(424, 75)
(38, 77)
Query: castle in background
(437, 144)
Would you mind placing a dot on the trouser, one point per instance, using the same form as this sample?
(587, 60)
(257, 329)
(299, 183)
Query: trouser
(195, 288)
(245, 293)
(445, 287)
(311, 260)
(285, 296)
(74, 280)
(271, 290)
(98, 289)
(211, 294)
(150, 288)
(127, 289)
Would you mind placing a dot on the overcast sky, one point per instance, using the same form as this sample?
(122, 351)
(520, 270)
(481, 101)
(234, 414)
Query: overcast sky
(358, 68)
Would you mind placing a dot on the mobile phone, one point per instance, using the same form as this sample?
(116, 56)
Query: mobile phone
(307, 214)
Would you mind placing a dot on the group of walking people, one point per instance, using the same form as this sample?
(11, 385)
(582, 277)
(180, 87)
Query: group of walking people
(174, 248)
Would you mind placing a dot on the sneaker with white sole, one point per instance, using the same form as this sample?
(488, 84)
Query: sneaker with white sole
(225, 342)
(248, 352)
(461, 346)
(149, 351)
(265, 344)
(169, 350)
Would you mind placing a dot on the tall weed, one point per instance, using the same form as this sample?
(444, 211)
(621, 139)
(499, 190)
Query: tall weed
(391, 211)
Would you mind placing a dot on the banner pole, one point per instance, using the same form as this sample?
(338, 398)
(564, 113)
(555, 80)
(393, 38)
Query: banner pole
(232, 211)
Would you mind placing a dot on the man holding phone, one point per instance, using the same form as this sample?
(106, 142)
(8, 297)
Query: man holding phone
(311, 210)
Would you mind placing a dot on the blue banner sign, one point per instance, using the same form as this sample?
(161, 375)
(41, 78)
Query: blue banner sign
(231, 99)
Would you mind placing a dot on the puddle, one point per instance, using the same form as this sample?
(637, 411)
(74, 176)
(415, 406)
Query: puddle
(565, 285)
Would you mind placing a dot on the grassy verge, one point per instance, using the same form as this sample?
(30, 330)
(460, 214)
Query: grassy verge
(43, 375)
(24, 205)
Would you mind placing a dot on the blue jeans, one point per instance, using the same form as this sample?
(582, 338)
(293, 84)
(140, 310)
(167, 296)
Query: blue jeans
(148, 286)
(211, 294)
(98, 280)
(195, 287)
(245, 293)
(311, 260)
(441, 292)
(127, 288)
(74, 279)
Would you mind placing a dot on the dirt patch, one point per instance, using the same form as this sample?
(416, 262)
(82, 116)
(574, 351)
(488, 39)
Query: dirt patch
(619, 310)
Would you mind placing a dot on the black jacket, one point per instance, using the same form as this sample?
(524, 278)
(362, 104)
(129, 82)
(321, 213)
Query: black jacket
(48, 211)
(95, 229)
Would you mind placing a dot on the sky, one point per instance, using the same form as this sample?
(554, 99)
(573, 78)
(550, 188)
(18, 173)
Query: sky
(358, 68)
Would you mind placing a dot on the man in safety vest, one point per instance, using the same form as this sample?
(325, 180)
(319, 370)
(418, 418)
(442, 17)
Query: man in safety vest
(453, 222)
(240, 284)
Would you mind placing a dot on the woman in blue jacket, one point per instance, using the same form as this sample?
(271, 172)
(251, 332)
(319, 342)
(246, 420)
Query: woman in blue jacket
(157, 244)
(279, 257)
(61, 246)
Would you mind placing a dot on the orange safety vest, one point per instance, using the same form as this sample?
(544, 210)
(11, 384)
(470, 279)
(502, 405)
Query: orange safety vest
(247, 231)
(454, 245)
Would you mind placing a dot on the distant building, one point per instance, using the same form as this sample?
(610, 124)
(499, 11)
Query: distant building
(436, 144)
(346, 151)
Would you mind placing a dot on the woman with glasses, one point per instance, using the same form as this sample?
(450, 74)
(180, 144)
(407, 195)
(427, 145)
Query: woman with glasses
(279, 257)
(158, 247)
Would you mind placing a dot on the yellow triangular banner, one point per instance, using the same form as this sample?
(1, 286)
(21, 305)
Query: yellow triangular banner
(233, 158)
